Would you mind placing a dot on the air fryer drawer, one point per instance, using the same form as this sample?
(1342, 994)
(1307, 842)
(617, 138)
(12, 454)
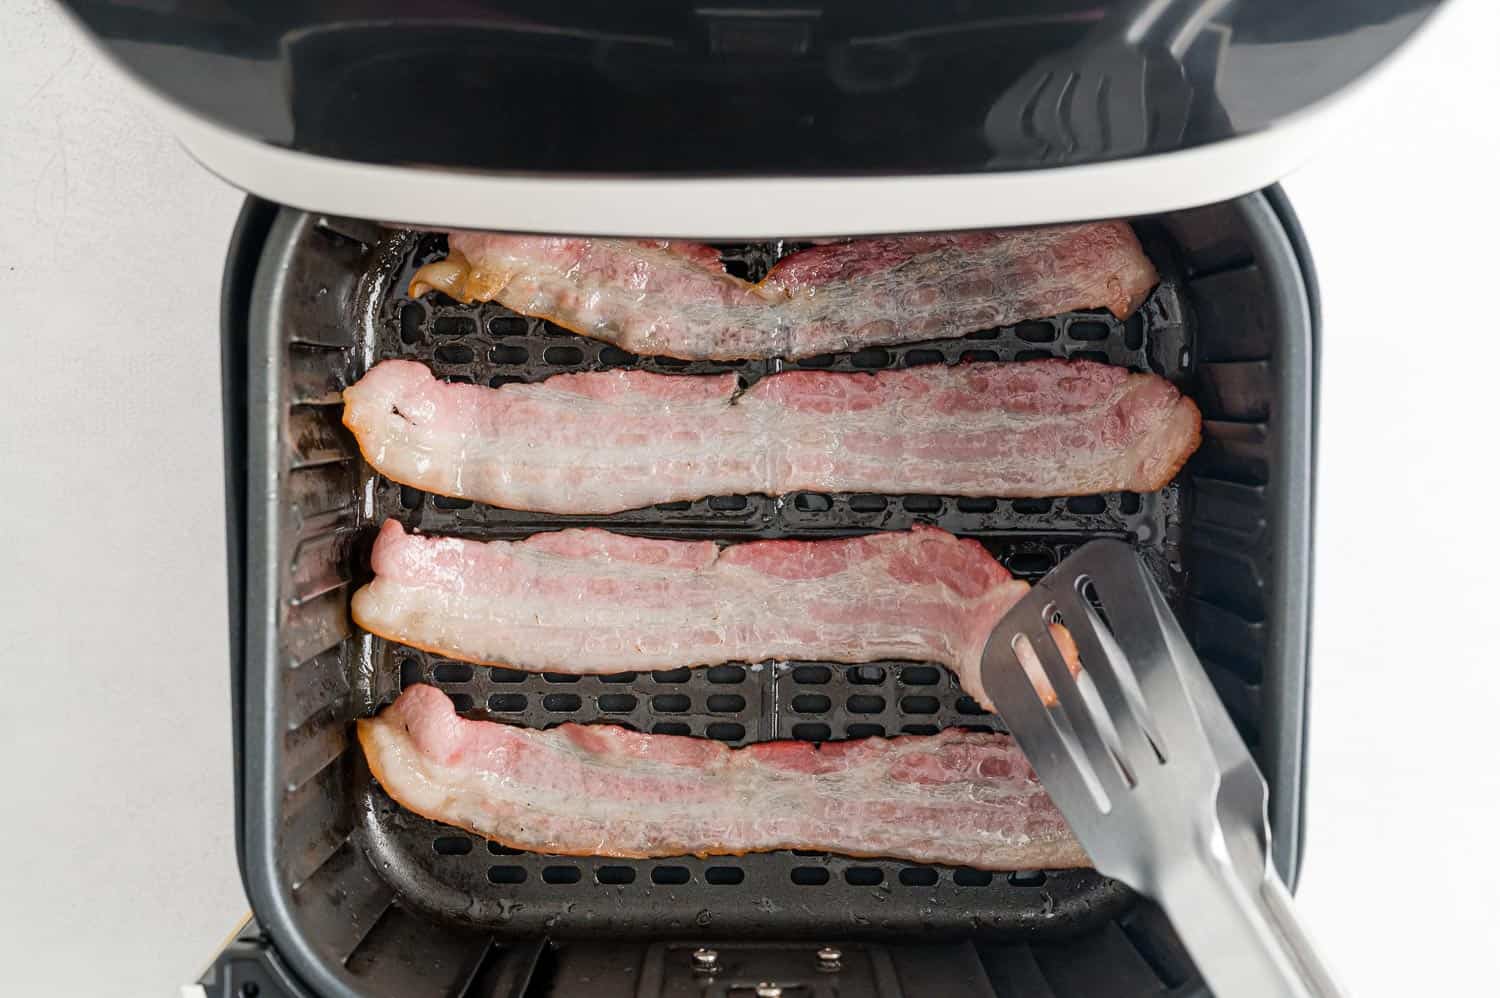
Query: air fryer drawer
(348, 885)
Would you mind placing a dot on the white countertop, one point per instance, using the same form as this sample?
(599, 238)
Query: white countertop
(117, 846)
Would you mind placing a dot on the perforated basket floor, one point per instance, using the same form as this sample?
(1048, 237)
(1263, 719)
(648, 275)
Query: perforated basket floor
(453, 874)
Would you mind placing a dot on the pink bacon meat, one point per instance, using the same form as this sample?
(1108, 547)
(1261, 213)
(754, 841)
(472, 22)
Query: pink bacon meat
(588, 601)
(607, 441)
(958, 797)
(675, 298)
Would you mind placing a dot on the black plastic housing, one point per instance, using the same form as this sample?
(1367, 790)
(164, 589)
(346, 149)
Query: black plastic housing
(355, 896)
(748, 88)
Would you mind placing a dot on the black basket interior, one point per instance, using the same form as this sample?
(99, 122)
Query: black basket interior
(360, 878)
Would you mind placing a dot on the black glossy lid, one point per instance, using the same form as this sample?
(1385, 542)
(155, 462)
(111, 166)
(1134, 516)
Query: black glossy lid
(725, 87)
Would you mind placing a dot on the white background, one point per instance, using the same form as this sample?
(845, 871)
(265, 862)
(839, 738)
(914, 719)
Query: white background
(117, 872)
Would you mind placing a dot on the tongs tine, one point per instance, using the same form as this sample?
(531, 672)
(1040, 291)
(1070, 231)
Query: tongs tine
(1098, 684)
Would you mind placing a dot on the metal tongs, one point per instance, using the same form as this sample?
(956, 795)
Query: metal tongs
(1142, 759)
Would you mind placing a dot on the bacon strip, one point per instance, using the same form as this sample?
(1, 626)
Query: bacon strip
(675, 298)
(607, 441)
(958, 797)
(588, 601)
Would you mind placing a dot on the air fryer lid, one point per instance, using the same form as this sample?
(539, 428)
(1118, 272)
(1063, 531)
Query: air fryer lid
(750, 120)
(747, 88)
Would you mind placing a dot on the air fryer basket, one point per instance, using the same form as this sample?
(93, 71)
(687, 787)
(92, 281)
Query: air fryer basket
(359, 895)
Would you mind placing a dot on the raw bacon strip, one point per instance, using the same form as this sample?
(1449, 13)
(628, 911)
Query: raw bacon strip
(958, 797)
(675, 299)
(588, 601)
(613, 440)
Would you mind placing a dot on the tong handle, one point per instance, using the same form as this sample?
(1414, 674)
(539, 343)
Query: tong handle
(1245, 938)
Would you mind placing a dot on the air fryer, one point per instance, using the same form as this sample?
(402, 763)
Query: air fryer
(362, 129)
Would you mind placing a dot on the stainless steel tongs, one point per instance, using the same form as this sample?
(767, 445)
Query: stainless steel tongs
(1144, 762)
